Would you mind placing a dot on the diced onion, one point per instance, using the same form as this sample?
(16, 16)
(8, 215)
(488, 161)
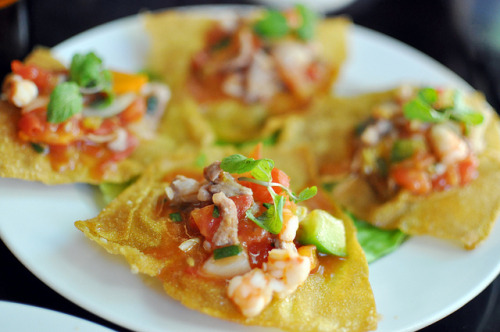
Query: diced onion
(119, 104)
(227, 267)
(189, 244)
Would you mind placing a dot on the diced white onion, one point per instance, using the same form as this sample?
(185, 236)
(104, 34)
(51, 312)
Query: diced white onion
(227, 267)
(189, 244)
(120, 103)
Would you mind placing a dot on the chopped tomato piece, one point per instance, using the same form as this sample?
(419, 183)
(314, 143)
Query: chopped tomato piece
(208, 224)
(468, 170)
(43, 79)
(33, 127)
(415, 180)
(256, 152)
(261, 193)
(134, 112)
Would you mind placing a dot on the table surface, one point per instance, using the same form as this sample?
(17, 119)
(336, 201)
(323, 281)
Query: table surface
(427, 25)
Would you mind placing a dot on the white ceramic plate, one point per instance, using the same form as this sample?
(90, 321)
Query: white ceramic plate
(417, 285)
(24, 318)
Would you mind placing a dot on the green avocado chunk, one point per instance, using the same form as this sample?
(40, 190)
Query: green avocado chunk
(324, 231)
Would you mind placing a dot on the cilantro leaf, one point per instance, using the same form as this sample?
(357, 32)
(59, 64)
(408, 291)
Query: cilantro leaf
(87, 71)
(65, 101)
(272, 25)
(463, 113)
(429, 95)
(419, 109)
(307, 194)
(260, 169)
(272, 219)
(308, 27)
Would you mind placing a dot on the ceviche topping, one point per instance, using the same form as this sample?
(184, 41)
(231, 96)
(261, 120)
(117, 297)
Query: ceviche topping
(86, 114)
(256, 58)
(245, 217)
(424, 141)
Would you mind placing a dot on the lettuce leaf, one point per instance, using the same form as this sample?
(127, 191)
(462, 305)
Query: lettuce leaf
(377, 242)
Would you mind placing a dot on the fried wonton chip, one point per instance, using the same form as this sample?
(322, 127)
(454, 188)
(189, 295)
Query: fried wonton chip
(181, 125)
(176, 36)
(464, 214)
(337, 298)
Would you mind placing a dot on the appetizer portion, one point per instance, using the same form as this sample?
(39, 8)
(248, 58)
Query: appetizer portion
(76, 124)
(424, 160)
(243, 68)
(233, 241)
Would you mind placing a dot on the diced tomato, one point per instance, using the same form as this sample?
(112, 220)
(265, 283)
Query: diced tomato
(134, 112)
(468, 169)
(205, 221)
(315, 71)
(33, 127)
(257, 240)
(208, 224)
(415, 180)
(107, 127)
(256, 153)
(44, 79)
(132, 143)
(261, 193)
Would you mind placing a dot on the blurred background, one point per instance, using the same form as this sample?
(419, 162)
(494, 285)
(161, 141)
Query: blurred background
(463, 35)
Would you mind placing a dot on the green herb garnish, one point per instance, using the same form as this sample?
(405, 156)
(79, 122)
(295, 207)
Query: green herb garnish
(272, 219)
(421, 108)
(175, 217)
(227, 251)
(308, 26)
(260, 169)
(272, 25)
(87, 71)
(65, 101)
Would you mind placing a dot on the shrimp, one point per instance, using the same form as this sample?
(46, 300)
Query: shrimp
(290, 226)
(284, 272)
(288, 270)
(251, 292)
(448, 145)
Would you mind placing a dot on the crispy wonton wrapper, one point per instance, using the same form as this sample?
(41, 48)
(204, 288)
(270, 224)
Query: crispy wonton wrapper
(177, 35)
(462, 214)
(181, 126)
(337, 298)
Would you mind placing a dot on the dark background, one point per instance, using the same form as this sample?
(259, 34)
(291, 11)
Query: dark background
(459, 34)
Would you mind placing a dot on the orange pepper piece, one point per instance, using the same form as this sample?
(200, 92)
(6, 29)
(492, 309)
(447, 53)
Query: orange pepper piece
(125, 82)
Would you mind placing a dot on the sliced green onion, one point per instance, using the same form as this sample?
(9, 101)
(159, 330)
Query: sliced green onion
(216, 213)
(227, 251)
(38, 148)
(175, 217)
